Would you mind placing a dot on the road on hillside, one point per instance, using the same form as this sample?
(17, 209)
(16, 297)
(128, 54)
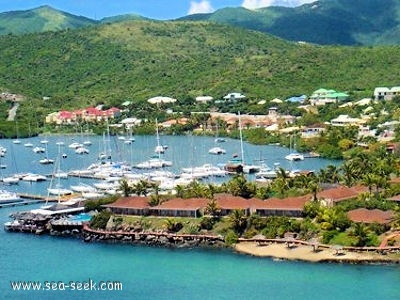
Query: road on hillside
(12, 112)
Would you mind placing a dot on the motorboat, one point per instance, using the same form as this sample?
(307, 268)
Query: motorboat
(82, 188)
(9, 197)
(217, 151)
(81, 150)
(75, 145)
(154, 163)
(46, 161)
(11, 180)
(59, 191)
(294, 156)
(34, 177)
(39, 150)
(28, 145)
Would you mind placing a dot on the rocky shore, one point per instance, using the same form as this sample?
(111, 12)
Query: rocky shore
(287, 249)
(161, 239)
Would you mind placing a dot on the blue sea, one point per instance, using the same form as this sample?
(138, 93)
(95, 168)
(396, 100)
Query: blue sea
(158, 273)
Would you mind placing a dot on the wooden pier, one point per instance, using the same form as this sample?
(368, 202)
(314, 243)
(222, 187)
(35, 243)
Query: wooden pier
(40, 198)
(12, 204)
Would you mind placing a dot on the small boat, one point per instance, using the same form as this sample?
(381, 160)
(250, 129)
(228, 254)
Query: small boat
(39, 150)
(16, 141)
(217, 151)
(59, 191)
(34, 177)
(81, 150)
(9, 197)
(294, 156)
(220, 140)
(46, 161)
(82, 188)
(28, 145)
(11, 180)
(74, 145)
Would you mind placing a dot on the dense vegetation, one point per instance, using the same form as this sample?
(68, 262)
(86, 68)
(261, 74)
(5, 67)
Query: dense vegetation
(327, 224)
(138, 60)
(324, 22)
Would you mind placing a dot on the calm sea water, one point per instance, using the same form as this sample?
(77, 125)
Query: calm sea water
(183, 151)
(157, 273)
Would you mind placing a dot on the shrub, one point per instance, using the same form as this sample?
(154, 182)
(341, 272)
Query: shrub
(231, 238)
(100, 220)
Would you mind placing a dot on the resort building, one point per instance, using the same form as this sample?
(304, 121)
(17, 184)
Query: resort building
(363, 215)
(178, 207)
(324, 96)
(385, 93)
(138, 206)
(234, 97)
(90, 114)
(330, 197)
(346, 120)
(290, 207)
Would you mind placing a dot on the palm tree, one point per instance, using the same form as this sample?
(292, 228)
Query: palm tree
(238, 220)
(213, 208)
(314, 188)
(333, 174)
(348, 173)
(125, 188)
(180, 190)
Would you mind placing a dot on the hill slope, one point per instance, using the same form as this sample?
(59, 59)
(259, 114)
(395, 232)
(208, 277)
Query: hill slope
(326, 22)
(44, 18)
(136, 60)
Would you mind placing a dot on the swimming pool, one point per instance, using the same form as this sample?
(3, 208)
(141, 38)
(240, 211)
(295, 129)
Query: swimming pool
(82, 217)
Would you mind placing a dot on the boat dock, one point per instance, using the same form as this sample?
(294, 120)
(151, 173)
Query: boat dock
(39, 198)
(12, 204)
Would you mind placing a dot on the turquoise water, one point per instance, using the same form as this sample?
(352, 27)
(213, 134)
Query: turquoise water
(82, 217)
(156, 273)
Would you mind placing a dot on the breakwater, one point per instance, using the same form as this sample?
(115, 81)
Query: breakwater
(162, 239)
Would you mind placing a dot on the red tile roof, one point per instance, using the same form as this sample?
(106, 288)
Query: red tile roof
(130, 202)
(226, 201)
(183, 204)
(363, 215)
(290, 203)
(341, 193)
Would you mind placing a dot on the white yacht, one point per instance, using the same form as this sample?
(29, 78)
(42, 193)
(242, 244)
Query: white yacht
(294, 156)
(217, 150)
(8, 197)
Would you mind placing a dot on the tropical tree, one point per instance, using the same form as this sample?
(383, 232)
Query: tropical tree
(238, 221)
(239, 186)
(213, 208)
(125, 188)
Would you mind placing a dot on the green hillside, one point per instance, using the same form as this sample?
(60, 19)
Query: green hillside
(40, 19)
(136, 60)
(325, 22)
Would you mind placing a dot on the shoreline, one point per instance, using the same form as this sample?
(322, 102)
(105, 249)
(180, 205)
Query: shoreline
(305, 253)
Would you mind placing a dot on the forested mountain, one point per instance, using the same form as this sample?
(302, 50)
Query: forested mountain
(326, 22)
(44, 18)
(135, 60)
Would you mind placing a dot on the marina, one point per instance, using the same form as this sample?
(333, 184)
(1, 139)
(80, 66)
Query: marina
(187, 156)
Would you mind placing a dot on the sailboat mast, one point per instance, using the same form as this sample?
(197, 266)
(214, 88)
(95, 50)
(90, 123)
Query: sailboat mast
(241, 138)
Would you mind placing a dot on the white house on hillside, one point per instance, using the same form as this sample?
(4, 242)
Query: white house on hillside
(384, 93)
(234, 96)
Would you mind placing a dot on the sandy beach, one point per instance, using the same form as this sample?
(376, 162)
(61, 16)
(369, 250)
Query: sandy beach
(306, 253)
